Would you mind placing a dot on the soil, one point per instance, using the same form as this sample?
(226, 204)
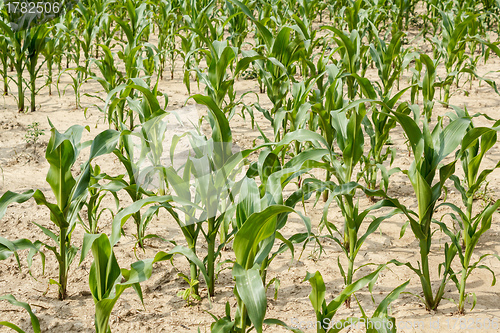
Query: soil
(164, 311)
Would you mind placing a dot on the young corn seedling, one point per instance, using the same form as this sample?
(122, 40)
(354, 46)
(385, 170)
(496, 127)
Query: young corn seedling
(5, 51)
(429, 85)
(89, 22)
(296, 112)
(109, 80)
(107, 281)
(333, 100)
(135, 29)
(351, 52)
(311, 44)
(147, 108)
(36, 40)
(353, 220)
(133, 187)
(379, 322)
(451, 45)
(429, 148)
(349, 138)
(51, 52)
(405, 9)
(388, 59)
(251, 246)
(378, 126)
(237, 25)
(67, 25)
(274, 177)
(277, 64)
(142, 100)
(17, 59)
(70, 193)
(77, 76)
(476, 143)
(167, 19)
(212, 167)
(219, 57)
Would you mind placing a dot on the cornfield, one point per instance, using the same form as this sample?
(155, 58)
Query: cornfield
(266, 165)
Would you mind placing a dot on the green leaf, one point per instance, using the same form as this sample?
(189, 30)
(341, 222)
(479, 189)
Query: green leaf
(61, 154)
(272, 321)
(250, 288)
(317, 295)
(335, 304)
(34, 320)
(104, 143)
(258, 227)
(11, 197)
(381, 311)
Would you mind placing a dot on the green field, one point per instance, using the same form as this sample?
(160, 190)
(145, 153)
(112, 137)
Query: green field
(238, 166)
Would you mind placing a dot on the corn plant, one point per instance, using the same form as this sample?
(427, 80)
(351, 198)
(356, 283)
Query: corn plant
(135, 30)
(353, 220)
(5, 50)
(147, 108)
(219, 58)
(106, 31)
(311, 43)
(277, 64)
(378, 126)
(250, 248)
(62, 152)
(188, 52)
(132, 186)
(402, 14)
(351, 52)
(68, 24)
(476, 143)
(388, 59)
(213, 167)
(327, 101)
(238, 25)
(141, 99)
(89, 22)
(451, 46)
(107, 281)
(198, 16)
(51, 52)
(428, 84)
(429, 148)
(349, 137)
(77, 75)
(36, 40)
(297, 110)
(17, 58)
(274, 177)
(35, 324)
(167, 19)
(110, 79)
(380, 320)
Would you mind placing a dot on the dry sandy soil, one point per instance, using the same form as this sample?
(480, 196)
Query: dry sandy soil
(164, 311)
